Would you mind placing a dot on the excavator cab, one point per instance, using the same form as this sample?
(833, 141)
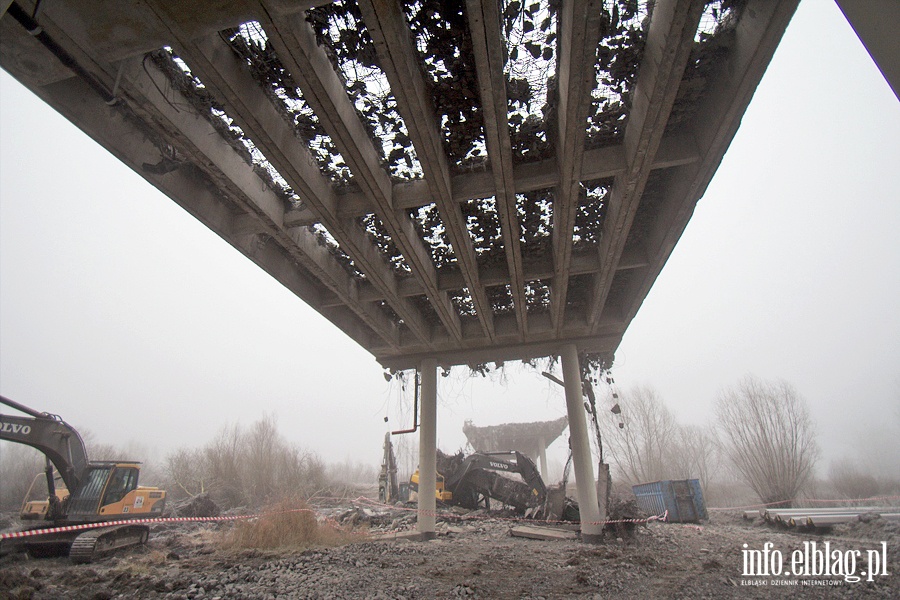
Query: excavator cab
(36, 505)
(111, 489)
(441, 494)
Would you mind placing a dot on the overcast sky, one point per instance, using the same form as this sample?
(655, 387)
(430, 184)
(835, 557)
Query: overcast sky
(127, 317)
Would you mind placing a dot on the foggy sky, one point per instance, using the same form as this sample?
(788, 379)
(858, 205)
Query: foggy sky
(126, 316)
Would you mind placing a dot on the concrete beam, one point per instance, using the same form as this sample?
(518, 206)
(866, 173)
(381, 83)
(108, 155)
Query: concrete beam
(543, 342)
(264, 210)
(399, 59)
(875, 23)
(542, 533)
(490, 58)
(213, 61)
(579, 35)
(731, 88)
(670, 38)
(124, 135)
(294, 41)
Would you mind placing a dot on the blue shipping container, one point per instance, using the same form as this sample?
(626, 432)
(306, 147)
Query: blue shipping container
(683, 499)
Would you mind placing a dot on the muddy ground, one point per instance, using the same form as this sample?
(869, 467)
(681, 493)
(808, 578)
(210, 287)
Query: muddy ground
(473, 556)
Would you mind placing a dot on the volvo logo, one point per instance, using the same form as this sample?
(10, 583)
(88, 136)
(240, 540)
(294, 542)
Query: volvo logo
(15, 428)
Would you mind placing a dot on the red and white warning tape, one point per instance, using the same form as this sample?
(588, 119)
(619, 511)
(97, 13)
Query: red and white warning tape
(66, 528)
(370, 502)
(360, 500)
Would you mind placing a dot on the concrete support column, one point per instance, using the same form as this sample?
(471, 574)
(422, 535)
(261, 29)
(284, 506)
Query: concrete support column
(427, 448)
(542, 453)
(875, 23)
(603, 489)
(581, 447)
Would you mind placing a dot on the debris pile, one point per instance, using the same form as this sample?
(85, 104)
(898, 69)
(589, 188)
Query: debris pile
(200, 505)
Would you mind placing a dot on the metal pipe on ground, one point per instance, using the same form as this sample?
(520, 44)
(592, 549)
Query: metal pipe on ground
(829, 520)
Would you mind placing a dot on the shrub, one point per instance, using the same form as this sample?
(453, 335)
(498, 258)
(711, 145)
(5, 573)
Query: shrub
(768, 434)
(250, 467)
(640, 448)
(850, 481)
(287, 524)
(19, 465)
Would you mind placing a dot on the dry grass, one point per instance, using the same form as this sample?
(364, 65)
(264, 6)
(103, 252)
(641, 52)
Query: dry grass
(135, 567)
(288, 524)
(156, 558)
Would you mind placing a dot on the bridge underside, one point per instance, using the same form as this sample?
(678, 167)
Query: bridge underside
(468, 182)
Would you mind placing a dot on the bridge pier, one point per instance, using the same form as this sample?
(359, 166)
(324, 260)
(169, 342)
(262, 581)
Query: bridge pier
(591, 529)
(542, 456)
(427, 506)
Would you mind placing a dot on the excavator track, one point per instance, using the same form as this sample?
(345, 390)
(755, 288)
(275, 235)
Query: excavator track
(105, 539)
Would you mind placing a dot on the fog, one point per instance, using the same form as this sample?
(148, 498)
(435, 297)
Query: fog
(125, 315)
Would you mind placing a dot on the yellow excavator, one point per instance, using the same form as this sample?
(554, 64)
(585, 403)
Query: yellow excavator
(95, 492)
(440, 491)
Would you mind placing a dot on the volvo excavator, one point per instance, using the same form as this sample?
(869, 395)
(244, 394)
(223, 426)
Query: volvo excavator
(508, 478)
(98, 492)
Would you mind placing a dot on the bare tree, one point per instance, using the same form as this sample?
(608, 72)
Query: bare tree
(851, 481)
(769, 436)
(185, 470)
(695, 454)
(19, 464)
(242, 467)
(224, 457)
(352, 472)
(640, 447)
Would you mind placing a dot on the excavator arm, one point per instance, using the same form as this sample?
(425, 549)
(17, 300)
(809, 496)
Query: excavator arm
(49, 434)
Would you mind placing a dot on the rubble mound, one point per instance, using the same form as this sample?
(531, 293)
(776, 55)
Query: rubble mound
(198, 506)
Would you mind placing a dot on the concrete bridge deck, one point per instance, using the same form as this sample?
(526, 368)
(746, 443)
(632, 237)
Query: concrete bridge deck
(548, 227)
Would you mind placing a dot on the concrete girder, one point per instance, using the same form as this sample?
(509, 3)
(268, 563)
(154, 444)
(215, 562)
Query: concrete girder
(579, 34)
(716, 124)
(669, 41)
(294, 41)
(490, 56)
(393, 42)
(191, 188)
(264, 211)
(222, 72)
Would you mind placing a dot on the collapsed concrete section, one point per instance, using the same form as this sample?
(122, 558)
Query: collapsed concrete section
(531, 439)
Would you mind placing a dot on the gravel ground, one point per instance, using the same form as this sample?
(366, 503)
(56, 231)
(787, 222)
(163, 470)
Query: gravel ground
(471, 557)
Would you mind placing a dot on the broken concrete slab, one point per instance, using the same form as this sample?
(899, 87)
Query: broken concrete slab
(530, 439)
(542, 533)
(412, 536)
